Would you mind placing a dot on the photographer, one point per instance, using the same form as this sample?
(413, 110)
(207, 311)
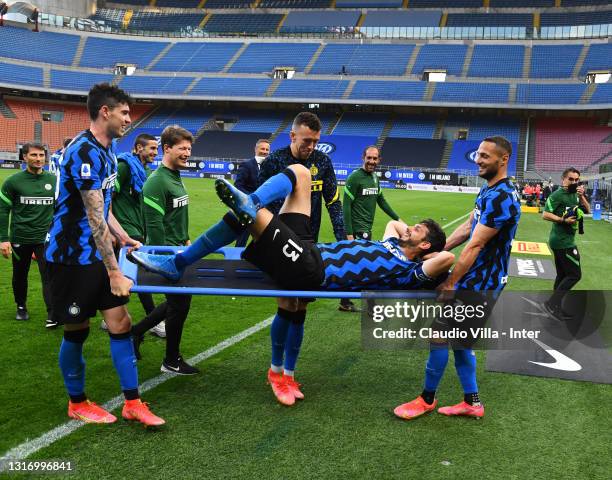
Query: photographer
(564, 207)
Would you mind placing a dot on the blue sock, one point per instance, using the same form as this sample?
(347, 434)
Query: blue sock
(295, 335)
(274, 188)
(465, 364)
(72, 365)
(211, 240)
(436, 364)
(124, 360)
(278, 335)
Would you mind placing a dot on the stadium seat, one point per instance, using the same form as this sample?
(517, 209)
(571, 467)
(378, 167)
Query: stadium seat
(74, 80)
(155, 85)
(377, 90)
(553, 61)
(46, 47)
(311, 88)
(107, 52)
(447, 57)
(549, 94)
(243, 22)
(363, 59)
(231, 87)
(263, 57)
(471, 92)
(366, 124)
(197, 57)
(510, 67)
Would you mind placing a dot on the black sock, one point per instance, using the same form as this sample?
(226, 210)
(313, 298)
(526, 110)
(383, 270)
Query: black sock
(471, 398)
(131, 394)
(78, 398)
(428, 396)
(151, 320)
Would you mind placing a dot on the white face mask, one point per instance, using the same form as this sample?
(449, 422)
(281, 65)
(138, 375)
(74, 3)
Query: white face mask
(259, 159)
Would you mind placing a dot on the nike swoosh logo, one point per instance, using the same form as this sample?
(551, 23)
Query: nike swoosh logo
(562, 362)
(276, 232)
(174, 369)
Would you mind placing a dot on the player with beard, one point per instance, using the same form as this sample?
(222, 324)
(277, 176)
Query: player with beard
(482, 266)
(362, 193)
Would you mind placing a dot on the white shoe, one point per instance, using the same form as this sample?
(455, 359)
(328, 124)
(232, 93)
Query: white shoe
(159, 330)
(104, 326)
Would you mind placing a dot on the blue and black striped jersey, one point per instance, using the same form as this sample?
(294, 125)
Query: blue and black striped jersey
(54, 161)
(499, 207)
(86, 165)
(324, 187)
(366, 264)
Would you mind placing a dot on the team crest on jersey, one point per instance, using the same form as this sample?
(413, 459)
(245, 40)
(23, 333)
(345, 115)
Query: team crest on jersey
(86, 170)
(314, 170)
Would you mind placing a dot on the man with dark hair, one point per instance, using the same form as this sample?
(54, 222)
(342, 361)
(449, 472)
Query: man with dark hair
(564, 208)
(167, 223)
(284, 248)
(55, 157)
(85, 276)
(362, 193)
(27, 197)
(247, 177)
(482, 266)
(132, 172)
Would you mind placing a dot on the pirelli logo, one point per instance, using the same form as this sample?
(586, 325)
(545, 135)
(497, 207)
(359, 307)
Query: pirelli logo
(36, 200)
(109, 182)
(370, 191)
(317, 186)
(180, 201)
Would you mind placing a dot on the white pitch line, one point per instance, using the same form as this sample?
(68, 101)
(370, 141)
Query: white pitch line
(32, 446)
(456, 220)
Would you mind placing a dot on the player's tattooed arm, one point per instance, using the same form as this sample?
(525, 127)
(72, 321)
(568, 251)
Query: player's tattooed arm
(94, 206)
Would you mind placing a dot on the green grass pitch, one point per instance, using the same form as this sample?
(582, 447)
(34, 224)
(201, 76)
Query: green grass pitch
(225, 422)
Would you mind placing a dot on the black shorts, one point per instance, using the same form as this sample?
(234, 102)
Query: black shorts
(79, 291)
(286, 251)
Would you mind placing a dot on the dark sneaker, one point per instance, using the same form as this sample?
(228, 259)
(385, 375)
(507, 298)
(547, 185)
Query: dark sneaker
(22, 313)
(556, 313)
(179, 367)
(161, 264)
(51, 323)
(240, 203)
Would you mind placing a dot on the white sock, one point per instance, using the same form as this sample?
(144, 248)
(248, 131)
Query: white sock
(288, 373)
(276, 368)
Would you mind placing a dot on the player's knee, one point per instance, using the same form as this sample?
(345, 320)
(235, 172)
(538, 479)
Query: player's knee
(288, 304)
(302, 174)
(121, 325)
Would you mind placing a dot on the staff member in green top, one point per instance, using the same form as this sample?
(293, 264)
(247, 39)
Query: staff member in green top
(28, 197)
(167, 223)
(132, 172)
(362, 193)
(563, 209)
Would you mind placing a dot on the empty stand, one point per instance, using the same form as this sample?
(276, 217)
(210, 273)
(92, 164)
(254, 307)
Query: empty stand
(599, 57)
(162, 22)
(554, 61)
(295, 3)
(576, 18)
(363, 59)
(107, 52)
(368, 3)
(243, 22)
(319, 20)
(405, 18)
(217, 144)
(263, 57)
(549, 94)
(231, 87)
(417, 126)
(249, 121)
(447, 57)
(602, 94)
(379, 90)
(505, 61)
(311, 88)
(365, 124)
(155, 85)
(560, 143)
(471, 92)
(73, 80)
(197, 57)
(20, 74)
(47, 47)
(489, 20)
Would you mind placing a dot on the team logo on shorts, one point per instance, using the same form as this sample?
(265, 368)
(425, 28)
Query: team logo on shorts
(74, 309)
(314, 170)
(85, 170)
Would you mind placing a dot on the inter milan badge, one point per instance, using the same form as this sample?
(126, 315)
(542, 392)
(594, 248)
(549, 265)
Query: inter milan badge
(74, 310)
(314, 170)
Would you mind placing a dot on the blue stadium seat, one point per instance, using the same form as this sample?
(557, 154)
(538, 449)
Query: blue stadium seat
(191, 118)
(363, 59)
(380, 90)
(164, 22)
(263, 57)
(228, 3)
(21, 75)
(311, 88)
(319, 20)
(521, 3)
(602, 94)
(107, 52)
(448, 57)
(471, 92)
(368, 3)
(74, 80)
(136, 2)
(295, 4)
(232, 87)
(177, 3)
(497, 61)
(576, 18)
(549, 94)
(588, 3)
(366, 124)
(243, 22)
(249, 121)
(489, 20)
(417, 126)
(197, 57)
(446, 3)
(155, 85)
(47, 47)
(113, 17)
(599, 57)
(553, 61)
(486, 127)
(403, 18)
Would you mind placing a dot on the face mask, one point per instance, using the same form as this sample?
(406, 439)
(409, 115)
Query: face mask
(259, 159)
(572, 188)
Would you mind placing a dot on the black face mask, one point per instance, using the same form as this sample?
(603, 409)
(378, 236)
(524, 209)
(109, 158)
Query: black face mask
(572, 188)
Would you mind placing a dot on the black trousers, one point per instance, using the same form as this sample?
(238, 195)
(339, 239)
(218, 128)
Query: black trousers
(22, 259)
(569, 273)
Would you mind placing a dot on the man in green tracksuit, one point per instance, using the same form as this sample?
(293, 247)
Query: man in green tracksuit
(132, 172)
(362, 193)
(167, 223)
(564, 208)
(28, 198)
